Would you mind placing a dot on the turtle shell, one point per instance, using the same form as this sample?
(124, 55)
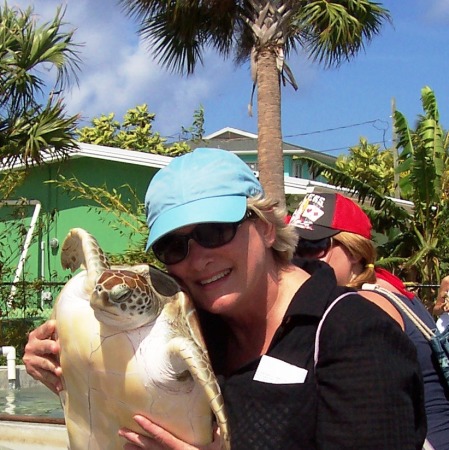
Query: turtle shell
(131, 343)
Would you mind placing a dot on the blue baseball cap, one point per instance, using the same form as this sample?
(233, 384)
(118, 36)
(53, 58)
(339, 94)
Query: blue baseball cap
(206, 185)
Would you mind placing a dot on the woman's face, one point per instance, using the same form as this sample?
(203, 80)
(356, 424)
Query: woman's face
(343, 263)
(229, 279)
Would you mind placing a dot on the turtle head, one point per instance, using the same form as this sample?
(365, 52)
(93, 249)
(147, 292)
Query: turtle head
(128, 299)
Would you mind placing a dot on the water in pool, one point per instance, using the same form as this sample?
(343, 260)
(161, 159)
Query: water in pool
(30, 401)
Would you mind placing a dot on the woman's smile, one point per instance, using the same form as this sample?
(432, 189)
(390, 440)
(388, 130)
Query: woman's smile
(215, 277)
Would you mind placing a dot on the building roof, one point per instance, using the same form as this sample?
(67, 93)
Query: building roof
(109, 154)
(236, 141)
(245, 143)
(293, 185)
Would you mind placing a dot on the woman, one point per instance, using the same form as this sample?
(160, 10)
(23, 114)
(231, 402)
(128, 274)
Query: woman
(441, 307)
(228, 246)
(334, 229)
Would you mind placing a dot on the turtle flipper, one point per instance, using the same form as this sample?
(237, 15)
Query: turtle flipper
(191, 347)
(81, 249)
(197, 361)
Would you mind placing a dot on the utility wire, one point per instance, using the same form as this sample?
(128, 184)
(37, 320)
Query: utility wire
(349, 146)
(343, 127)
(379, 124)
(330, 129)
(374, 121)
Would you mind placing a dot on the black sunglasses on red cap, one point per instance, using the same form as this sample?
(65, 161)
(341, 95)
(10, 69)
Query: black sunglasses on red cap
(313, 249)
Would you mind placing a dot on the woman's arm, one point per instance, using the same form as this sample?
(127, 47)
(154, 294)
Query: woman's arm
(41, 357)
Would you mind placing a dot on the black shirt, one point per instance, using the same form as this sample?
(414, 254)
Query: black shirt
(366, 392)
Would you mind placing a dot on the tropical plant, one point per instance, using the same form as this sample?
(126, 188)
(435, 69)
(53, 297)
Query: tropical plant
(424, 180)
(33, 125)
(136, 132)
(368, 163)
(415, 228)
(196, 131)
(264, 32)
(30, 130)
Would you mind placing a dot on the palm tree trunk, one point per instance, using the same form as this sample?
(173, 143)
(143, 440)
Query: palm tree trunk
(270, 155)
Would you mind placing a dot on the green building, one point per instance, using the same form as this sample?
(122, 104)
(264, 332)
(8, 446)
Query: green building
(37, 220)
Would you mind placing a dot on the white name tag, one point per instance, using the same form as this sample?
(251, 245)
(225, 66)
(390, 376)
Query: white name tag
(275, 371)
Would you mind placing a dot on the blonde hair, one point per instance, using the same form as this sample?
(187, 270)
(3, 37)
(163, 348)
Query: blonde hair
(286, 238)
(363, 250)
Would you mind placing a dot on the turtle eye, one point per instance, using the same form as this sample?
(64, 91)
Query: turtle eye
(120, 293)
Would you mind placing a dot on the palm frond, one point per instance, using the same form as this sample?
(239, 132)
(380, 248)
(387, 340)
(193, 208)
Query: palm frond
(178, 32)
(25, 49)
(29, 130)
(46, 132)
(335, 31)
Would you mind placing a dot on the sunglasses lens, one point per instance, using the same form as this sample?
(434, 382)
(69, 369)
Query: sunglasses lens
(212, 235)
(313, 249)
(171, 249)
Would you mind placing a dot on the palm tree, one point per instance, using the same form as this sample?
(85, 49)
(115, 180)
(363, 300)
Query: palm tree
(28, 129)
(264, 32)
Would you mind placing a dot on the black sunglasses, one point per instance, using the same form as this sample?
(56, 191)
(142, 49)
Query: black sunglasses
(313, 249)
(173, 248)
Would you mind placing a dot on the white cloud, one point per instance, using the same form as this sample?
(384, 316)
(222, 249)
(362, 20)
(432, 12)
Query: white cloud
(438, 11)
(118, 72)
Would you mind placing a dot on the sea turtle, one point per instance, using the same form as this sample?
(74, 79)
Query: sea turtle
(130, 343)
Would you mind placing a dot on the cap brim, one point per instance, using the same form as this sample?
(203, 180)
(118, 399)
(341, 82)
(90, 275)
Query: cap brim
(318, 232)
(216, 209)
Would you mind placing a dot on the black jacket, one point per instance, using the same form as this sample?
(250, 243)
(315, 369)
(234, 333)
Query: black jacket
(366, 392)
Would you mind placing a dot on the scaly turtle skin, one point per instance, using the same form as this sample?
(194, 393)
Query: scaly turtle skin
(130, 344)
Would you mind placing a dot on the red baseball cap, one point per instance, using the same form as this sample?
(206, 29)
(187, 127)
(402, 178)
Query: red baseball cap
(323, 215)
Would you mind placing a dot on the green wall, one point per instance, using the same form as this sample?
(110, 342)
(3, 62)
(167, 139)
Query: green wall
(61, 211)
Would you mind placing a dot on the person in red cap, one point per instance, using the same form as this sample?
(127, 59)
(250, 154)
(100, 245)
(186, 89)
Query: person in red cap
(334, 229)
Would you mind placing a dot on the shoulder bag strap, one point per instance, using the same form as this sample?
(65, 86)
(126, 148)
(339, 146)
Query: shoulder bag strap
(425, 330)
(320, 324)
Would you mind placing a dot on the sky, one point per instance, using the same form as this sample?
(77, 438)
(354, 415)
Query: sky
(330, 112)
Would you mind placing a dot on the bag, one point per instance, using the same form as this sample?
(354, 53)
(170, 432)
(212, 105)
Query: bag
(439, 342)
(426, 445)
(440, 347)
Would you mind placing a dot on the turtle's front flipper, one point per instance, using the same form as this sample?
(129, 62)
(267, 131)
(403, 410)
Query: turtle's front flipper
(197, 361)
(190, 346)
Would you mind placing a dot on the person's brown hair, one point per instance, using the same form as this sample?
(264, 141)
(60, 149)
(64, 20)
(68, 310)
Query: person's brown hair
(362, 249)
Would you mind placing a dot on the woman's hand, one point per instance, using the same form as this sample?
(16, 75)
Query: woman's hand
(41, 357)
(160, 438)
